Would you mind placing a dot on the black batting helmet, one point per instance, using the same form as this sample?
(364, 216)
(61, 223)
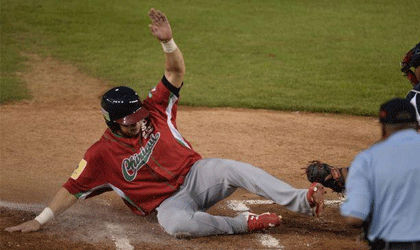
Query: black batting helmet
(122, 105)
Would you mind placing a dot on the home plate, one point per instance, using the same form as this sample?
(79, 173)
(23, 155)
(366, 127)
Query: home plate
(269, 241)
(241, 205)
(334, 202)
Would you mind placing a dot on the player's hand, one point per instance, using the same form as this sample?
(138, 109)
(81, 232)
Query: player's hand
(160, 27)
(26, 227)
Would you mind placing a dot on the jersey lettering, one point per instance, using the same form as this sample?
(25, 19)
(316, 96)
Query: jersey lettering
(135, 162)
(146, 127)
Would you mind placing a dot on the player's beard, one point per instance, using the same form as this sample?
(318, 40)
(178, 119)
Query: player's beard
(131, 131)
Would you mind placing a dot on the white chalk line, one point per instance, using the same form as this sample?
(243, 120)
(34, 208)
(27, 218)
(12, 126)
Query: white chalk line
(118, 237)
(22, 206)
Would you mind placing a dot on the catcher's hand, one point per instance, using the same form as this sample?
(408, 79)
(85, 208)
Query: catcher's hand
(327, 175)
(411, 59)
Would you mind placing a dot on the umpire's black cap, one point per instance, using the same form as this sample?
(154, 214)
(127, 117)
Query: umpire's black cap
(396, 111)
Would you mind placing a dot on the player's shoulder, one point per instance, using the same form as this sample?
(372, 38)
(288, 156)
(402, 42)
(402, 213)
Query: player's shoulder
(101, 144)
(397, 139)
(96, 149)
(366, 155)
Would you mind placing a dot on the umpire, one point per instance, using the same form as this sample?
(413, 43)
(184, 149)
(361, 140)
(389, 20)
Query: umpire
(383, 187)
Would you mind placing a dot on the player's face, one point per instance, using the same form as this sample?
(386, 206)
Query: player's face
(131, 130)
(417, 73)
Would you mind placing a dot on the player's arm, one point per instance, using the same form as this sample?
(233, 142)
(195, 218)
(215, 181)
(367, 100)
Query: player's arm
(60, 203)
(174, 61)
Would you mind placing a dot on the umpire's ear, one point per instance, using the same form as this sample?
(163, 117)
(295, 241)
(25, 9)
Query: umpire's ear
(383, 130)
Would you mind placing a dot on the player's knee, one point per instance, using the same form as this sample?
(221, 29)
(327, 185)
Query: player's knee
(178, 224)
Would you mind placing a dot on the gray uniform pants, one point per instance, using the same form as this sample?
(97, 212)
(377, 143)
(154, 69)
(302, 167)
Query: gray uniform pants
(211, 180)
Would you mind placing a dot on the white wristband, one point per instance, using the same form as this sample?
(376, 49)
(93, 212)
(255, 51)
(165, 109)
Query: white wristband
(169, 46)
(46, 215)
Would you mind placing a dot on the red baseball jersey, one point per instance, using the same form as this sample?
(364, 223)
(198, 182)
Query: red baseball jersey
(145, 170)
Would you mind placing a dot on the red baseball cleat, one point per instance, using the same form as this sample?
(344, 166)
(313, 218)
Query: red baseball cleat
(262, 221)
(315, 196)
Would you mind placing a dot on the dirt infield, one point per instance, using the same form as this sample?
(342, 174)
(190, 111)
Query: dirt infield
(43, 140)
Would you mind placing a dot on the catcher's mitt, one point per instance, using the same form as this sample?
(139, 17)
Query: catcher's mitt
(327, 175)
(411, 59)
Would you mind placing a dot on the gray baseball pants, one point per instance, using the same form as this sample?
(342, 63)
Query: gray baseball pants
(211, 180)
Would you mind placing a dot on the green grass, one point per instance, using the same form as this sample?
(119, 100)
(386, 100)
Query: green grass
(324, 56)
(11, 87)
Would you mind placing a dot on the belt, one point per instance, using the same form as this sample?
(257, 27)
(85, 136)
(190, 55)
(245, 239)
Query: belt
(412, 245)
(394, 245)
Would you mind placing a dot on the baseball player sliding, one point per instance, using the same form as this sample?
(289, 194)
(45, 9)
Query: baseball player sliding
(143, 158)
